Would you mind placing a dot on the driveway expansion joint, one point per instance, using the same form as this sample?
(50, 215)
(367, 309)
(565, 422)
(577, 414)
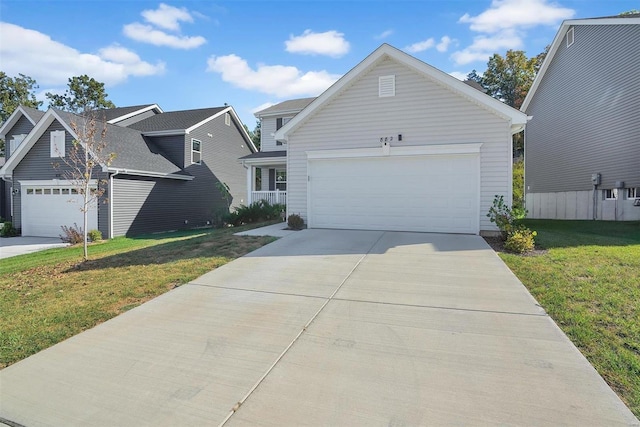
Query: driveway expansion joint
(304, 329)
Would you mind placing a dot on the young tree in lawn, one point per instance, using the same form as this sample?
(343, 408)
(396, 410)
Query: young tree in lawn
(15, 91)
(84, 97)
(87, 153)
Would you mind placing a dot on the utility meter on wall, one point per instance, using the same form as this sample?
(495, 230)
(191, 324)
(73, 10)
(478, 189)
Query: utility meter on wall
(595, 179)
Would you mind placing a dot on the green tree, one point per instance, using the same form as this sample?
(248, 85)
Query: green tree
(84, 94)
(518, 185)
(509, 78)
(15, 91)
(256, 134)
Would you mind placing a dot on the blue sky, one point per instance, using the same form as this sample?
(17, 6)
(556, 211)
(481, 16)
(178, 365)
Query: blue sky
(251, 54)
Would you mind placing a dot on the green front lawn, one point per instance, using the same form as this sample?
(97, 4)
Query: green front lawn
(48, 296)
(589, 283)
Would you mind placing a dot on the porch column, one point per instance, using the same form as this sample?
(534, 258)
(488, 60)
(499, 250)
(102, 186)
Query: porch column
(250, 170)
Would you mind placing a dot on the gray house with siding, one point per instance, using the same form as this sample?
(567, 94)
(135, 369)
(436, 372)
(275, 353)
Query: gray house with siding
(164, 176)
(582, 144)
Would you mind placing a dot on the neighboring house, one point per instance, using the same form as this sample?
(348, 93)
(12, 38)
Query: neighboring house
(582, 145)
(267, 169)
(396, 144)
(164, 176)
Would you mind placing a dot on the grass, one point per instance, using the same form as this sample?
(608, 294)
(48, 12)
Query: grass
(47, 297)
(589, 283)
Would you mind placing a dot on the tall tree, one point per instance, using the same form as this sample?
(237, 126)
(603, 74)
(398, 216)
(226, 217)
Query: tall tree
(84, 94)
(509, 78)
(256, 134)
(15, 91)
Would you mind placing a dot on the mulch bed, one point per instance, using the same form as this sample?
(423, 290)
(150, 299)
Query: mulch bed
(497, 244)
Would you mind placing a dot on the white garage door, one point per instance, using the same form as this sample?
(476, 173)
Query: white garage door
(45, 208)
(430, 193)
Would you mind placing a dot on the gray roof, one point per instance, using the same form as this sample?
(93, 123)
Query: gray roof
(33, 113)
(474, 84)
(265, 154)
(133, 151)
(175, 120)
(113, 113)
(292, 105)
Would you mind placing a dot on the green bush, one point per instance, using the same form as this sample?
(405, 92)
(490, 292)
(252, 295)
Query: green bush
(295, 222)
(255, 212)
(8, 230)
(521, 240)
(95, 235)
(502, 216)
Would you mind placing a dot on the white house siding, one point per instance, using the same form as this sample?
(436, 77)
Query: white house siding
(579, 205)
(422, 111)
(267, 129)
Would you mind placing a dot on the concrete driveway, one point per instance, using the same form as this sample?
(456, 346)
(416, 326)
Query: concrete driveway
(13, 246)
(324, 327)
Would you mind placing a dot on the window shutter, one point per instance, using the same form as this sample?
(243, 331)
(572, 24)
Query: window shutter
(57, 148)
(386, 86)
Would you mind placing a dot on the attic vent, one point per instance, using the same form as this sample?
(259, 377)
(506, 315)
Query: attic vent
(386, 86)
(227, 119)
(570, 37)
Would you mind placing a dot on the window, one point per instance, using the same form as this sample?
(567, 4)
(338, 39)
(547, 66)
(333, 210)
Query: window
(570, 37)
(281, 179)
(386, 86)
(281, 121)
(15, 142)
(227, 119)
(633, 193)
(611, 194)
(196, 153)
(57, 143)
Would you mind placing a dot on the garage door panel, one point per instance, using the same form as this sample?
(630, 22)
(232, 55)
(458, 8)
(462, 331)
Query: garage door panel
(419, 193)
(43, 213)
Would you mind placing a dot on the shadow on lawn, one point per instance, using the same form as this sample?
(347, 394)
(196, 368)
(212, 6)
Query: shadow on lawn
(210, 245)
(567, 233)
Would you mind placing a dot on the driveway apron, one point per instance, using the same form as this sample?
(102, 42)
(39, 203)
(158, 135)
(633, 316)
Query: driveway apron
(324, 327)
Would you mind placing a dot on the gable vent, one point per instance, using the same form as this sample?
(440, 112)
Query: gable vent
(386, 86)
(570, 37)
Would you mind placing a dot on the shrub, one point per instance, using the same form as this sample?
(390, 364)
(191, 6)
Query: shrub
(255, 212)
(502, 216)
(72, 235)
(295, 222)
(521, 240)
(8, 230)
(95, 235)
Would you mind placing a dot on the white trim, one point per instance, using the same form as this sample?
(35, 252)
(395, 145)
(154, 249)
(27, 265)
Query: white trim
(199, 162)
(150, 174)
(52, 183)
(636, 191)
(265, 161)
(230, 110)
(32, 138)
(135, 113)
(614, 194)
(517, 119)
(13, 119)
(418, 150)
(290, 112)
(557, 41)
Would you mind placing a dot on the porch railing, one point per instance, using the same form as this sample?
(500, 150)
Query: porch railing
(272, 197)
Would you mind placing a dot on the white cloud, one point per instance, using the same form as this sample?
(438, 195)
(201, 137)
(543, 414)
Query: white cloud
(279, 80)
(164, 18)
(167, 17)
(421, 46)
(444, 44)
(329, 43)
(384, 34)
(148, 34)
(52, 63)
(483, 47)
(504, 24)
(458, 75)
(512, 14)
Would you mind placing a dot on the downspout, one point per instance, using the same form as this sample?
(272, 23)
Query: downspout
(111, 203)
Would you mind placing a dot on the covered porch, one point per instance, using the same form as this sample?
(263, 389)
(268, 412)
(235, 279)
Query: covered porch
(266, 177)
